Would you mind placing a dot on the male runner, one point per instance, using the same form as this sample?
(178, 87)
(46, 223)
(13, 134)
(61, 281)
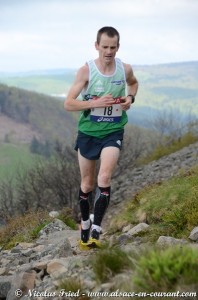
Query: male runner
(108, 88)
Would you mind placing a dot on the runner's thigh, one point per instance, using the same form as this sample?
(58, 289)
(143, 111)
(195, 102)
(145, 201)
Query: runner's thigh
(109, 159)
(87, 169)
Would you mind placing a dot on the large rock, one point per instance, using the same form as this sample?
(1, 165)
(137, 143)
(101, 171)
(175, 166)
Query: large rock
(5, 285)
(23, 282)
(165, 241)
(194, 235)
(141, 227)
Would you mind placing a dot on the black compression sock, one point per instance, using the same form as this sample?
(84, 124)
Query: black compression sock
(101, 204)
(84, 199)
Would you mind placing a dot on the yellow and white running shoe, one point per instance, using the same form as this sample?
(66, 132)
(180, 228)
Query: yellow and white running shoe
(84, 246)
(94, 243)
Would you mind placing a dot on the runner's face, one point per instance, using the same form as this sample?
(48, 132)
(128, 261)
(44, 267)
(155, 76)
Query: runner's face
(107, 48)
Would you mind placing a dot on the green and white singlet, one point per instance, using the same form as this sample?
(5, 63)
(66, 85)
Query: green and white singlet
(99, 122)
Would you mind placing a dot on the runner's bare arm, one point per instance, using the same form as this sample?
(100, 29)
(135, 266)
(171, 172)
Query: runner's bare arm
(73, 104)
(132, 86)
(132, 83)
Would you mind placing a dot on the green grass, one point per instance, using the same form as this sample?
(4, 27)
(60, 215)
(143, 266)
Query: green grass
(163, 150)
(72, 287)
(26, 227)
(167, 270)
(110, 261)
(150, 270)
(23, 228)
(13, 158)
(65, 217)
(45, 84)
(170, 208)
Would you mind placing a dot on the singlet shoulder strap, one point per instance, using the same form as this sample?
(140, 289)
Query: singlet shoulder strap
(120, 66)
(90, 65)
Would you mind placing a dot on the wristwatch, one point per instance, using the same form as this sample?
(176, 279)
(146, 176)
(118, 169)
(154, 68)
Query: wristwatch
(132, 98)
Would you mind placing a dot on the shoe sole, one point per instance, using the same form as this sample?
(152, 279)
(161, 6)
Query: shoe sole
(91, 244)
(83, 246)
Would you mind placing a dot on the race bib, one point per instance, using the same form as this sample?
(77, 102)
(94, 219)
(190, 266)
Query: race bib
(107, 114)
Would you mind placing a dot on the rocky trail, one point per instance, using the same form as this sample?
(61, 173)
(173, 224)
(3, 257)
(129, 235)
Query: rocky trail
(35, 270)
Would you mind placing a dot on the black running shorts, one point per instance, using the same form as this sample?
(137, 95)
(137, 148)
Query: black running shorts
(90, 147)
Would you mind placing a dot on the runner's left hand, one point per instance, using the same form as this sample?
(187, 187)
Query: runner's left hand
(125, 103)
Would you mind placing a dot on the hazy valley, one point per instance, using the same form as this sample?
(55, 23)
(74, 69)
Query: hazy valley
(167, 87)
(29, 107)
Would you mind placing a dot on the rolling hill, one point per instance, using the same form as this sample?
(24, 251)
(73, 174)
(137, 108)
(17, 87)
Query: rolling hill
(43, 115)
(170, 87)
(26, 117)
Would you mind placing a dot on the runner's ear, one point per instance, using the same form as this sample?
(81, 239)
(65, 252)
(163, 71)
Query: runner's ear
(96, 45)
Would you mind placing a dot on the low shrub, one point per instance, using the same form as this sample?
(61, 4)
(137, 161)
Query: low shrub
(165, 270)
(110, 261)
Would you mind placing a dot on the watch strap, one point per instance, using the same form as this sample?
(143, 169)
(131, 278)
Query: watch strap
(132, 98)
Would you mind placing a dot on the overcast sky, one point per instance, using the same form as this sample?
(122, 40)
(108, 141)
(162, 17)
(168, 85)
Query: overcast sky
(50, 34)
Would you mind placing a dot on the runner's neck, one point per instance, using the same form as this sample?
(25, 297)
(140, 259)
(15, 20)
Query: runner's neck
(105, 68)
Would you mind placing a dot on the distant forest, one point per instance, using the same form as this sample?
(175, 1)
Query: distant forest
(43, 113)
(164, 87)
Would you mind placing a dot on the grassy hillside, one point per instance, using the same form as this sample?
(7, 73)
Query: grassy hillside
(43, 113)
(14, 158)
(25, 115)
(171, 208)
(52, 83)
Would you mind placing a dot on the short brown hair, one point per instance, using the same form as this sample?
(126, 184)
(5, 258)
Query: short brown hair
(110, 31)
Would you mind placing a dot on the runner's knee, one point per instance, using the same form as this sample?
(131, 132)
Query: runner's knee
(87, 187)
(104, 179)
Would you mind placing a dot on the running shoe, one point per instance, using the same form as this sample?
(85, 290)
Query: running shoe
(84, 246)
(94, 239)
(95, 234)
(85, 233)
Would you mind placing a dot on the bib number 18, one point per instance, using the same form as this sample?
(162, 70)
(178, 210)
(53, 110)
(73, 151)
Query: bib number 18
(108, 111)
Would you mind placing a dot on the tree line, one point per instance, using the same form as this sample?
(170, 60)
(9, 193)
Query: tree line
(43, 113)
